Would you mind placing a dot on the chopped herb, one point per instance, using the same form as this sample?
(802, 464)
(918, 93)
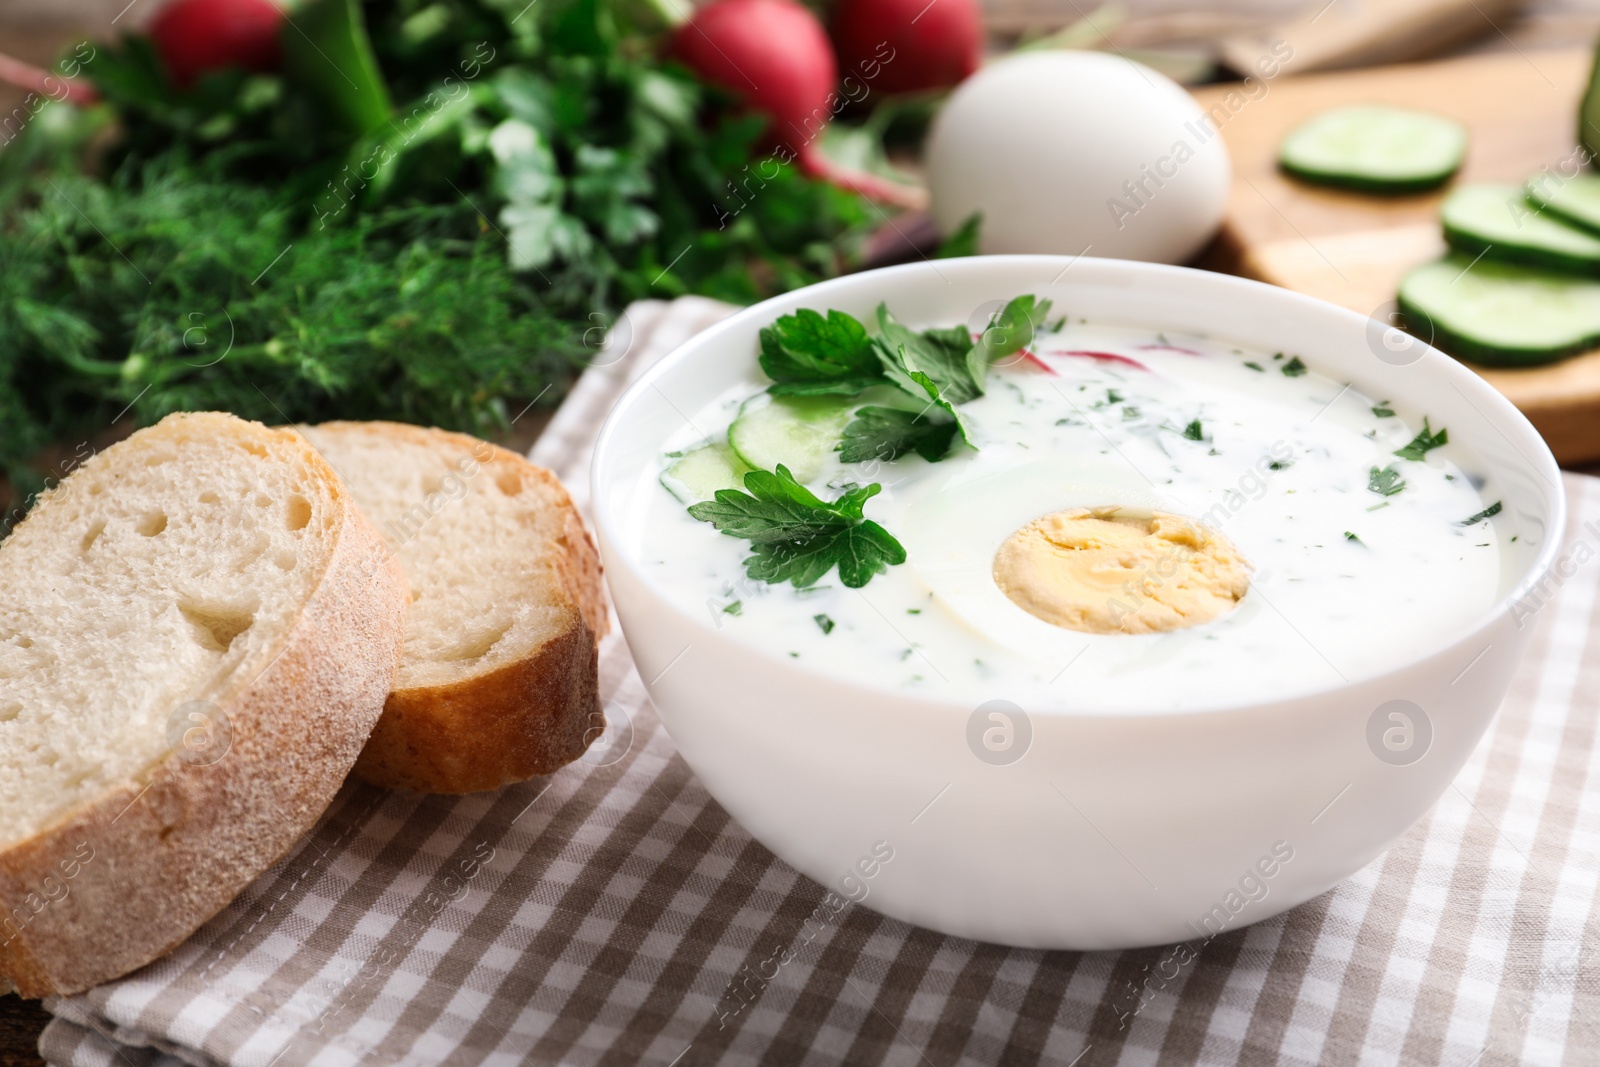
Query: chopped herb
(889, 433)
(824, 622)
(1193, 431)
(733, 607)
(1385, 482)
(1057, 326)
(1487, 513)
(1277, 355)
(1113, 397)
(1129, 412)
(1383, 410)
(1294, 368)
(1280, 464)
(808, 355)
(796, 537)
(1424, 442)
(794, 655)
(1348, 536)
(1253, 365)
(913, 611)
(1513, 538)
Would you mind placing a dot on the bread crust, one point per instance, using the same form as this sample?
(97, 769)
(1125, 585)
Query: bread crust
(522, 719)
(141, 868)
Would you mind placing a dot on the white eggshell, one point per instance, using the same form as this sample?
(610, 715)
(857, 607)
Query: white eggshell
(1067, 151)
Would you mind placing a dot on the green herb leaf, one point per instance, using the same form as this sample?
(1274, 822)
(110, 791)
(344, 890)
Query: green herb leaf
(1194, 432)
(1294, 368)
(825, 623)
(807, 354)
(888, 433)
(1385, 482)
(1348, 536)
(1487, 513)
(796, 537)
(1014, 328)
(1253, 365)
(1383, 410)
(1424, 442)
(733, 607)
(945, 356)
(964, 241)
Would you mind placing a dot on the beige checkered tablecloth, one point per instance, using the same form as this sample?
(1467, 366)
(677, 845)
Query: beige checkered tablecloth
(613, 914)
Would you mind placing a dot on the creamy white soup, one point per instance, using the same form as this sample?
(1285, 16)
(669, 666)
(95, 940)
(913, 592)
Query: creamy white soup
(1360, 558)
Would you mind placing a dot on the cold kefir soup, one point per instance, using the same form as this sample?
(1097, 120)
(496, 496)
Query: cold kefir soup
(1065, 514)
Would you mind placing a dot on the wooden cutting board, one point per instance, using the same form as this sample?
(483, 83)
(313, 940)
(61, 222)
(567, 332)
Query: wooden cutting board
(1521, 111)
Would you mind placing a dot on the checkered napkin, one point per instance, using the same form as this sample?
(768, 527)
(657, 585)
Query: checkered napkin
(613, 914)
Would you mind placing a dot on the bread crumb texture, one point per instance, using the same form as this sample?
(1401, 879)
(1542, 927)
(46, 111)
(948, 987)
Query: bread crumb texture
(484, 538)
(1102, 571)
(153, 578)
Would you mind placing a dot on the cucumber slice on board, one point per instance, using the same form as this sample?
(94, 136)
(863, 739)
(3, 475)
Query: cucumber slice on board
(1375, 149)
(1501, 315)
(700, 472)
(1575, 200)
(1497, 222)
(798, 431)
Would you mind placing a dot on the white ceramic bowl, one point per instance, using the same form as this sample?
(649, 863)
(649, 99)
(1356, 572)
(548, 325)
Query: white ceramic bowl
(1112, 830)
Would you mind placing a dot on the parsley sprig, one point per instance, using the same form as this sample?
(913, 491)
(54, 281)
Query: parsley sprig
(809, 354)
(796, 537)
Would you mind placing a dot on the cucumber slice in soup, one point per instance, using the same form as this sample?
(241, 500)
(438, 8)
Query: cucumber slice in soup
(1501, 315)
(799, 432)
(1575, 200)
(700, 472)
(1497, 222)
(1375, 149)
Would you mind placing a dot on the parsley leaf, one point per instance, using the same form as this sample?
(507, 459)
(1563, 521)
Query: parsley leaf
(1348, 536)
(824, 623)
(1294, 368)
(1424, 442)
(889, 433)
(1385, 482)
(1383, 410)
(964, 241)
(797, 538)
(947, 357)
(1013, 328)
(1194, 432)
(808, 355)
(1487, 513)
(1253, 365)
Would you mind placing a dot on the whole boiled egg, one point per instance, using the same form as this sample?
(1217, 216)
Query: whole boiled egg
(1078, 153)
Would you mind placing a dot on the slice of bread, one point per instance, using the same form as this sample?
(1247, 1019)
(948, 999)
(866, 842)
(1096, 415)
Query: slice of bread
(499, 680)
(197, 633)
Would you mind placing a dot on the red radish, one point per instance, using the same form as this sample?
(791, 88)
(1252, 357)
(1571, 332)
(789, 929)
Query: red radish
(196, 37)
(1106, 357)
(22, 75)
(773, 56)
(908, 46)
